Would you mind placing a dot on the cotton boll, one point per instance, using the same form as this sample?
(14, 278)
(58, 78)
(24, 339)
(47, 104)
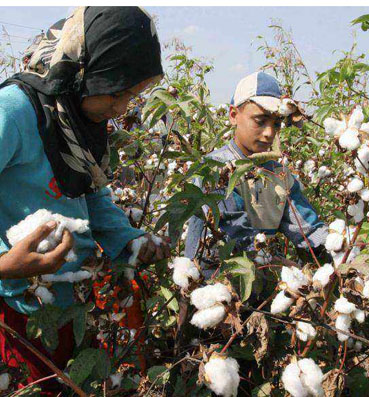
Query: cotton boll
(363, 155)
(358, 346)
(311, 377)
(28, 225)
(184, 269)
(204, 297)
(293, 277)
(292, 382)
(263, 258)
(355, 185)
(357, 117)
(70, 277)
(281, 303)
(343, 306)
(338, 226)
(222, 376)
(4, 381)
(323, 274)
(364, 195)
(210, 317)
(350, 343)
(116, 379)
(359, 315)
(134, 213)
(45, 295)
(333, 126)
(137, 243)
(260, 238)
(343, 323)
(365, 127)
(305, 331)
(350, 139)
(324, 172)
(356, 211)
(334, 242)
(309, 166)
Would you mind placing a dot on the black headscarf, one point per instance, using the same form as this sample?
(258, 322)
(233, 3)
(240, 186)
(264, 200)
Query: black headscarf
(96, 51)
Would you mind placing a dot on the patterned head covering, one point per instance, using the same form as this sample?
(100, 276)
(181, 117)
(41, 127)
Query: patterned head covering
(95, 51)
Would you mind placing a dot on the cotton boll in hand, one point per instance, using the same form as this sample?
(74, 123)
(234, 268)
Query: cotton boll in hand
(184, 269)
(350, 139)
(222, 376)
(205, 297)
(70, 277)
(28, 225)
(45, 295)
(334, 242)
(137, 243)
(281, 303)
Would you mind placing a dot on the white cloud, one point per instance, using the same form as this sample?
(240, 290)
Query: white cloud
(238, 67)
(191, 29)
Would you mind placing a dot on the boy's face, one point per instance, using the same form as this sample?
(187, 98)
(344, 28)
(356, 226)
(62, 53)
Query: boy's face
(255, 127)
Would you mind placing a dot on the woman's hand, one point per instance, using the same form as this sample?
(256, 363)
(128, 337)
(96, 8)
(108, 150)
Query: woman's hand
(152, 252)
(23, 261)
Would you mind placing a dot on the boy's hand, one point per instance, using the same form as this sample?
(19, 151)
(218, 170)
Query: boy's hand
(23, 261)
(151, 252)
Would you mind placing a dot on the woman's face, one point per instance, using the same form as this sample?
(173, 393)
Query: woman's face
(104, 107)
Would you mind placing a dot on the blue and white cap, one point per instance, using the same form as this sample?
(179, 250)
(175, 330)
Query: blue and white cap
(260, 88)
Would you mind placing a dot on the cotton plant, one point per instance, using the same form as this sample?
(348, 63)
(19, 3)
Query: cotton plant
(303, 378)
(221, 375)
(209, 302)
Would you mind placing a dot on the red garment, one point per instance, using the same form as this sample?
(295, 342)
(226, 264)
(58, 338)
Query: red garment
(14, 352)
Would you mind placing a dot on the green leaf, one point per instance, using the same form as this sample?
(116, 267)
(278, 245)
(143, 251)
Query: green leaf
(225, 249)
(364, 20)
(44, 323)
(83, 365)
(173, 305)
(165, 97)
(158, 374)
(244, 271)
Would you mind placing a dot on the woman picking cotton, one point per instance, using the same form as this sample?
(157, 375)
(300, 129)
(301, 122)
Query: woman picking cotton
(55, 157)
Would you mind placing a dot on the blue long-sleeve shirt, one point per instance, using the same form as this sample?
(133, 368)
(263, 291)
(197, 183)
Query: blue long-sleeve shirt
(27, 184)
(266, 211)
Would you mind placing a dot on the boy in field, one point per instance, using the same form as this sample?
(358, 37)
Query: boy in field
(260, 205)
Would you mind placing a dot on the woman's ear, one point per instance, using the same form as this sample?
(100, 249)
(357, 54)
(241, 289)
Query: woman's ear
(233, 111)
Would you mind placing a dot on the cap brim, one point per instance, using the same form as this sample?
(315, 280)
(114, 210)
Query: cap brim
(269, 103)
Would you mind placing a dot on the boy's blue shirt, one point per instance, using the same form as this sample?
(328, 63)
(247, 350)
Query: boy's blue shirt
(235, 223)
(27, 184)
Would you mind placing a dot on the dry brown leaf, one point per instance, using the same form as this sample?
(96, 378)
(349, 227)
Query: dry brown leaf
(333, 383)
(258, 335)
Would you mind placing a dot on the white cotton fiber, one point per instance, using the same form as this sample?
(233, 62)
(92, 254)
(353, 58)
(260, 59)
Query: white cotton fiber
(184, 269)
(338, 226)
(207, 296)
(134, 213)
(280, 303)
(343, 322)
(45, 295)
(222, 376)
(356, 211)
(287, 107)
(303, 379)
(69, 277)
(334, 242)
(28, 225)
(343, 306)
(350, 139)
(323, 274)
(366, 289)
(334, 127)
(362, 162)
(210, 317)
(356, 118)
(292, 382)
(358, 315)
(305, 331)
(311, 377)
(294, 278)
(364, 194)
(355, 185)
(137, 243)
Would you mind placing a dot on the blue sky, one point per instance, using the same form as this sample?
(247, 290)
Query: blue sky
(226, 34)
